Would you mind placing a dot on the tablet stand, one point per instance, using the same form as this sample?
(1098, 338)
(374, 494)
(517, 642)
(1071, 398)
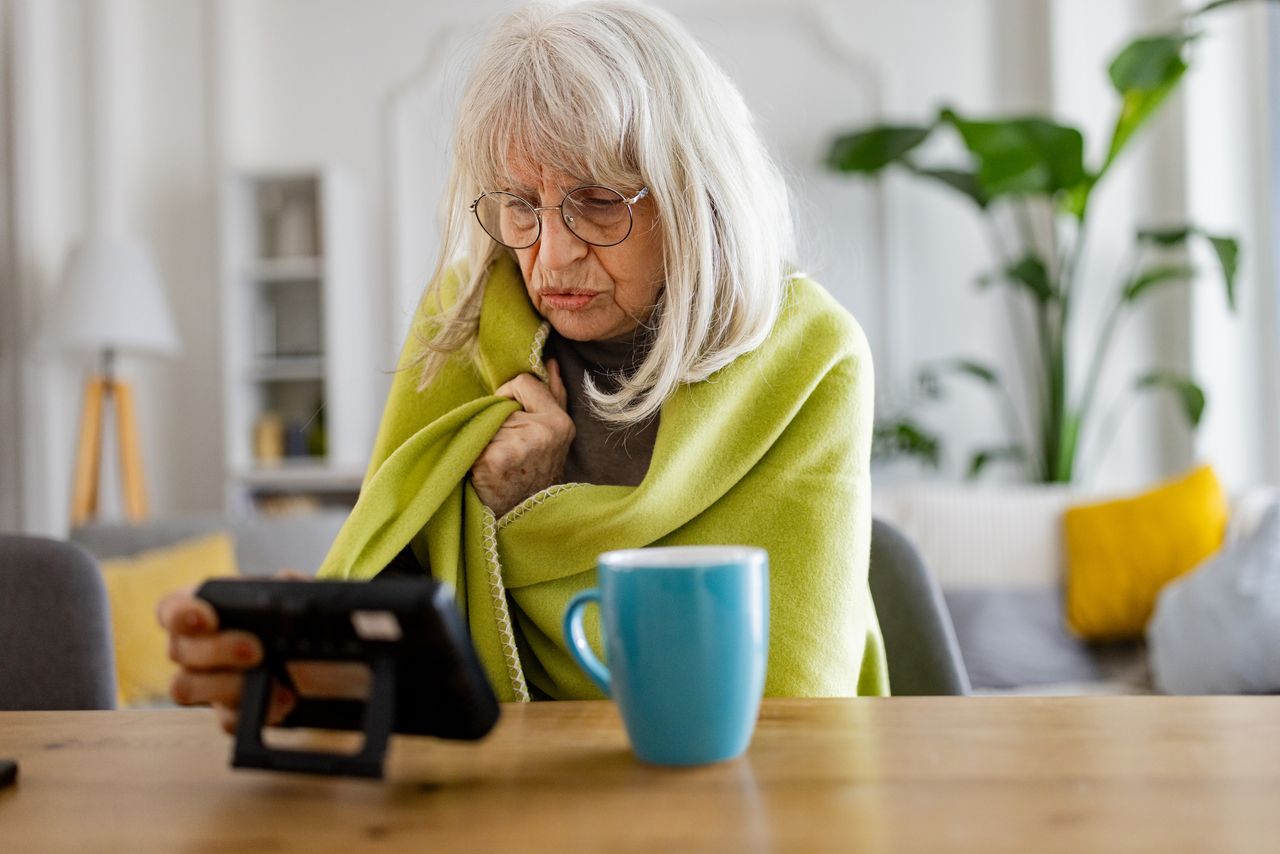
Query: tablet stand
(425, 676)
(379, 718)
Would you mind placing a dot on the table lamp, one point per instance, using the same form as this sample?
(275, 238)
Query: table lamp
(110, 301)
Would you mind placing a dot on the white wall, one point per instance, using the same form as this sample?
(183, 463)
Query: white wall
(1232, 152)
(48, 202)
(156, 168)
(218, 84)
(10, 307)
(171, 206)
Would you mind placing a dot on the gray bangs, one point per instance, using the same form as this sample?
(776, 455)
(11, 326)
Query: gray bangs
(544, 106)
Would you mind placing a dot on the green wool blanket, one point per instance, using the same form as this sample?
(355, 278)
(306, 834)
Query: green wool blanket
(771, 451)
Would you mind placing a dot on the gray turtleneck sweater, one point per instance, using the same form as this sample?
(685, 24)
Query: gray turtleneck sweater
(602, 453)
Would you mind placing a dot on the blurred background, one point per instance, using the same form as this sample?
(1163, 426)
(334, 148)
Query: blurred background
(238, 200)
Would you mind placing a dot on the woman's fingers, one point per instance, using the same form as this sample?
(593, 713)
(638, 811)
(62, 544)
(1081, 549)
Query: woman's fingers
(182, 613)
(213, 662)
(528, 452)
(222, 651)
(199, 689)
(531, 393)
(228, 717)
(282, 702)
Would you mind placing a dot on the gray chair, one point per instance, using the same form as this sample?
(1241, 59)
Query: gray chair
(55, 628)
(920, 642)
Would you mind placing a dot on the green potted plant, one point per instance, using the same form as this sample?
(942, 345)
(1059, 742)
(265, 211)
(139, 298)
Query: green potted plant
(1015, 164)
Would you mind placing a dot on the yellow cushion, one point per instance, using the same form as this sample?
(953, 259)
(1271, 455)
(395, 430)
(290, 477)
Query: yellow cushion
(134, 586)
(1120, 553)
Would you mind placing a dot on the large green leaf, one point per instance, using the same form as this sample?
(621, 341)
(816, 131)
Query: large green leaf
(1225, 247)
(1076, 200)
(870, 150)
(930, 379)
(1216, 4)
(1159, 275)
(1022, 156)
(1144, 74)
(977, 370)
(1150, 62)
(1228, 251)
(1172, 236)
(1031, 274)
(1189, 394)
(986, 456)
(965, 182)
(905, 438)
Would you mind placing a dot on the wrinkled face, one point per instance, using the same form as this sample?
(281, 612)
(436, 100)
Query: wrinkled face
(587, 292)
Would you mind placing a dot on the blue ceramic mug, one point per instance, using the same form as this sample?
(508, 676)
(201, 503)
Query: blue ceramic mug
(686, 634)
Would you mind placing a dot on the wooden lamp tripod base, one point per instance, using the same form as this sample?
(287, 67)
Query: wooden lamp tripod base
(99, 389)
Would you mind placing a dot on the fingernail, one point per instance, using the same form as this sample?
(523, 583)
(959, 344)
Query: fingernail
(244, 651)
(193, 620)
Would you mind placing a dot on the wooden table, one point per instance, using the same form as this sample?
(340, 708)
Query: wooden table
(902, 774)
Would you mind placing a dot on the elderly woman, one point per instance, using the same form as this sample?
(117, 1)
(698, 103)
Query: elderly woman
(613, 353)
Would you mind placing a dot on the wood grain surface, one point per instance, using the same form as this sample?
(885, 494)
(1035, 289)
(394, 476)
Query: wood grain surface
(900, 774)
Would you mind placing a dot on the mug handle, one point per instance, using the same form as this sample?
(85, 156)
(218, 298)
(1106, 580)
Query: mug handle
(577, 637)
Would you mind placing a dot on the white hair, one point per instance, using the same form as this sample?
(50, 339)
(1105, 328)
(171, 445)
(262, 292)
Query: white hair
(621, 93)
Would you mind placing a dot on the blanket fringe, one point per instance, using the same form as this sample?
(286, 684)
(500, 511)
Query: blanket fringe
(501, 609)
(535, 352)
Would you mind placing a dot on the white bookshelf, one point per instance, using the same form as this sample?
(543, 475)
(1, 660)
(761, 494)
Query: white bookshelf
(297, 338)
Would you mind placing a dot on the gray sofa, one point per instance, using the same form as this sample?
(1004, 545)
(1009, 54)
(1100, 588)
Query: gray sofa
(264, 545)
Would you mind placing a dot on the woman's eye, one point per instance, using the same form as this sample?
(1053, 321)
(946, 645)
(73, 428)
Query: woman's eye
(594, 202)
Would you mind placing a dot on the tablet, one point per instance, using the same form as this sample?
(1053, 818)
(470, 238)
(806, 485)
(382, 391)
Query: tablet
(424, 677)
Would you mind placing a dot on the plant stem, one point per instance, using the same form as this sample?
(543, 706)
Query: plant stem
(1046, 368)
(1058, 431)
(1071, 264)
(1035, 390)
(1026, 228)
(1052, 341)
(1103, 347)
(1055, 433)
(1067, 288)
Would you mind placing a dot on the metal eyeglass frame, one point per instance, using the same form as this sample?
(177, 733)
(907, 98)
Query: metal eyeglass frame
(538, 209)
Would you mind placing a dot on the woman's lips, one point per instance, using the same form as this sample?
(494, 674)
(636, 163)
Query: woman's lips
(568, 301)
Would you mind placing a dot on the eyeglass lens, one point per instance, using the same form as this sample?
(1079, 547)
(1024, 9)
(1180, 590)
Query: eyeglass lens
(598, 215)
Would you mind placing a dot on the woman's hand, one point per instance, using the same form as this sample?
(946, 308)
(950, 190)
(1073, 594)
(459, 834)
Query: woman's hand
(213, 662)
(528, 453)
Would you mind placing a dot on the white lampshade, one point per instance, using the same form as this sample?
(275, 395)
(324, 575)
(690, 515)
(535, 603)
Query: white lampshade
(110, 298)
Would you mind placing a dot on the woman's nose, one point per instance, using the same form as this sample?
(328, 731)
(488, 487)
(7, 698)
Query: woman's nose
(559, 247)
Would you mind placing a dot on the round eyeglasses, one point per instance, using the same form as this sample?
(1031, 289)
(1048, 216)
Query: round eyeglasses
(597, 215)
